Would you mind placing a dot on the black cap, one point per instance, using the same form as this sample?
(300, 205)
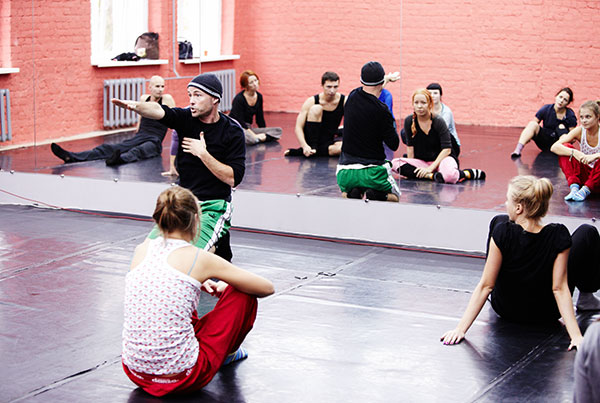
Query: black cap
(372, 74)
(208, 83)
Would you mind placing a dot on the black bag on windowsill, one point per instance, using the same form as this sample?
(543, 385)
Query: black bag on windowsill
(185, 50)
(127, 56)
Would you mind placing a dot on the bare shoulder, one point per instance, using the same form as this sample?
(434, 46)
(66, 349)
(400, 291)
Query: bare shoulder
(310, 101)
(144, 97)
(168, 100)
(140, 253)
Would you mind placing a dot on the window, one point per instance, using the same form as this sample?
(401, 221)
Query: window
(116, 24)
(199, 22)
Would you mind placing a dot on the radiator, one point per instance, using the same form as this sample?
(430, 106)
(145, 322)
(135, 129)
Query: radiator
(130, 89)
(5, 127)
(227, 78)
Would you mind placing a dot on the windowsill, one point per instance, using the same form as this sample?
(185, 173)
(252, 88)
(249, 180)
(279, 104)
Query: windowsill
(145, 62)
(206, 59)
(9, 70)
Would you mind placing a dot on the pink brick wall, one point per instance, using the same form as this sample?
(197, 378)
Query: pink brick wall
(57, 92)
(498, 62)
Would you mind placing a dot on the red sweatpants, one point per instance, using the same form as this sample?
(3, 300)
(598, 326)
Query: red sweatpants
(579, 173)
(219, 332)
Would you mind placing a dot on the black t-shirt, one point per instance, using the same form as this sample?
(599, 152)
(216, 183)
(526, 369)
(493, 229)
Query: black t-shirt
(224, 141)
(368, 124)
(244, 113)
(523, 290)
(427, 147)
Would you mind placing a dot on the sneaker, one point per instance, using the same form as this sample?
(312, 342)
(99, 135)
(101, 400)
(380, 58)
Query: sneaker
(515, 155)
(438, 177)
(237, 355)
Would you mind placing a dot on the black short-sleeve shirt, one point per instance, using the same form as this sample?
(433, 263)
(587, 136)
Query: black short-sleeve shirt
(428, 146)
(523, 290)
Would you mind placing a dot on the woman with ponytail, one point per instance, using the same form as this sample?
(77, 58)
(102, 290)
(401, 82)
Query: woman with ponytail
(526, 267)
(579, 166)
(432, 152)
(166, 347)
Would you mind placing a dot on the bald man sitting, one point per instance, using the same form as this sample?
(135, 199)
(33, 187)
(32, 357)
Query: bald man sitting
(147, 142)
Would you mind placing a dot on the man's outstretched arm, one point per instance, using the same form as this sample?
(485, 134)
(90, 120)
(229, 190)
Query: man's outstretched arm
(150, 110)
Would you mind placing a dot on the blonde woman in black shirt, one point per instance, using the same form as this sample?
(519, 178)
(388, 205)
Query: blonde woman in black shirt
(526, 267)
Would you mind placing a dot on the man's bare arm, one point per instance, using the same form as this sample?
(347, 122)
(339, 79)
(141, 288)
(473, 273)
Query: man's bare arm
(301, 121)
(150, 110)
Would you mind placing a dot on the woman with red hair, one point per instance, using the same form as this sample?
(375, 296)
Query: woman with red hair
(247, 105)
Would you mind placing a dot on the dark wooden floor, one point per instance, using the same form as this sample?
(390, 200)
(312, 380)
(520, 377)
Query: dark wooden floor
(347, 323)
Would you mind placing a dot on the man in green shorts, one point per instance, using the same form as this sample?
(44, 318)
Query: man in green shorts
(362, 169)
(210, 157)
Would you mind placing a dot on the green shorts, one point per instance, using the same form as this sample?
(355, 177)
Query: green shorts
(376, 177)
(215, 221)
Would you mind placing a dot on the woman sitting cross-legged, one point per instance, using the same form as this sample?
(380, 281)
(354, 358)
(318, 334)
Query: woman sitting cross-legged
(431, 149)
(580, 166)
(166, 347)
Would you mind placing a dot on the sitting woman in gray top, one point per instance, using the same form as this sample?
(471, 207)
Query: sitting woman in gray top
(442, 110)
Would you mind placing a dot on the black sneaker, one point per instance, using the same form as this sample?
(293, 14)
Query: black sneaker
(355, 193)
(438, 177)
(115, 159)
(61, 153)
(373, 194)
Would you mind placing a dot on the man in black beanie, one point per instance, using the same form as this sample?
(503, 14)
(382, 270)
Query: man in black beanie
(210, 157)
(362, 169)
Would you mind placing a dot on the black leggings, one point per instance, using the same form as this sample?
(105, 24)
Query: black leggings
(584, 266)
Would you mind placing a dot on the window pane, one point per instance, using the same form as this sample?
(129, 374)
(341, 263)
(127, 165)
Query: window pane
(199, 22)
(115, 26)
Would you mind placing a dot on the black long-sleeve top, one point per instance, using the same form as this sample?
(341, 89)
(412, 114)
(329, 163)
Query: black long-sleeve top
(368, 124)
(224, 141)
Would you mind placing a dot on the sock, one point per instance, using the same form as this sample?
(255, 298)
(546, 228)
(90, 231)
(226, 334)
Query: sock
(408, 171)
(373, 194)
(438, 177)
(115, 159)
(582, 194)
(294, 152)
(237, 355)
(574, 188)
(61, 153)
(468, 174)
(518, 149)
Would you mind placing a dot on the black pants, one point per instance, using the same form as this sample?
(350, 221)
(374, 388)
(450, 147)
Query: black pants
(134, 149)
